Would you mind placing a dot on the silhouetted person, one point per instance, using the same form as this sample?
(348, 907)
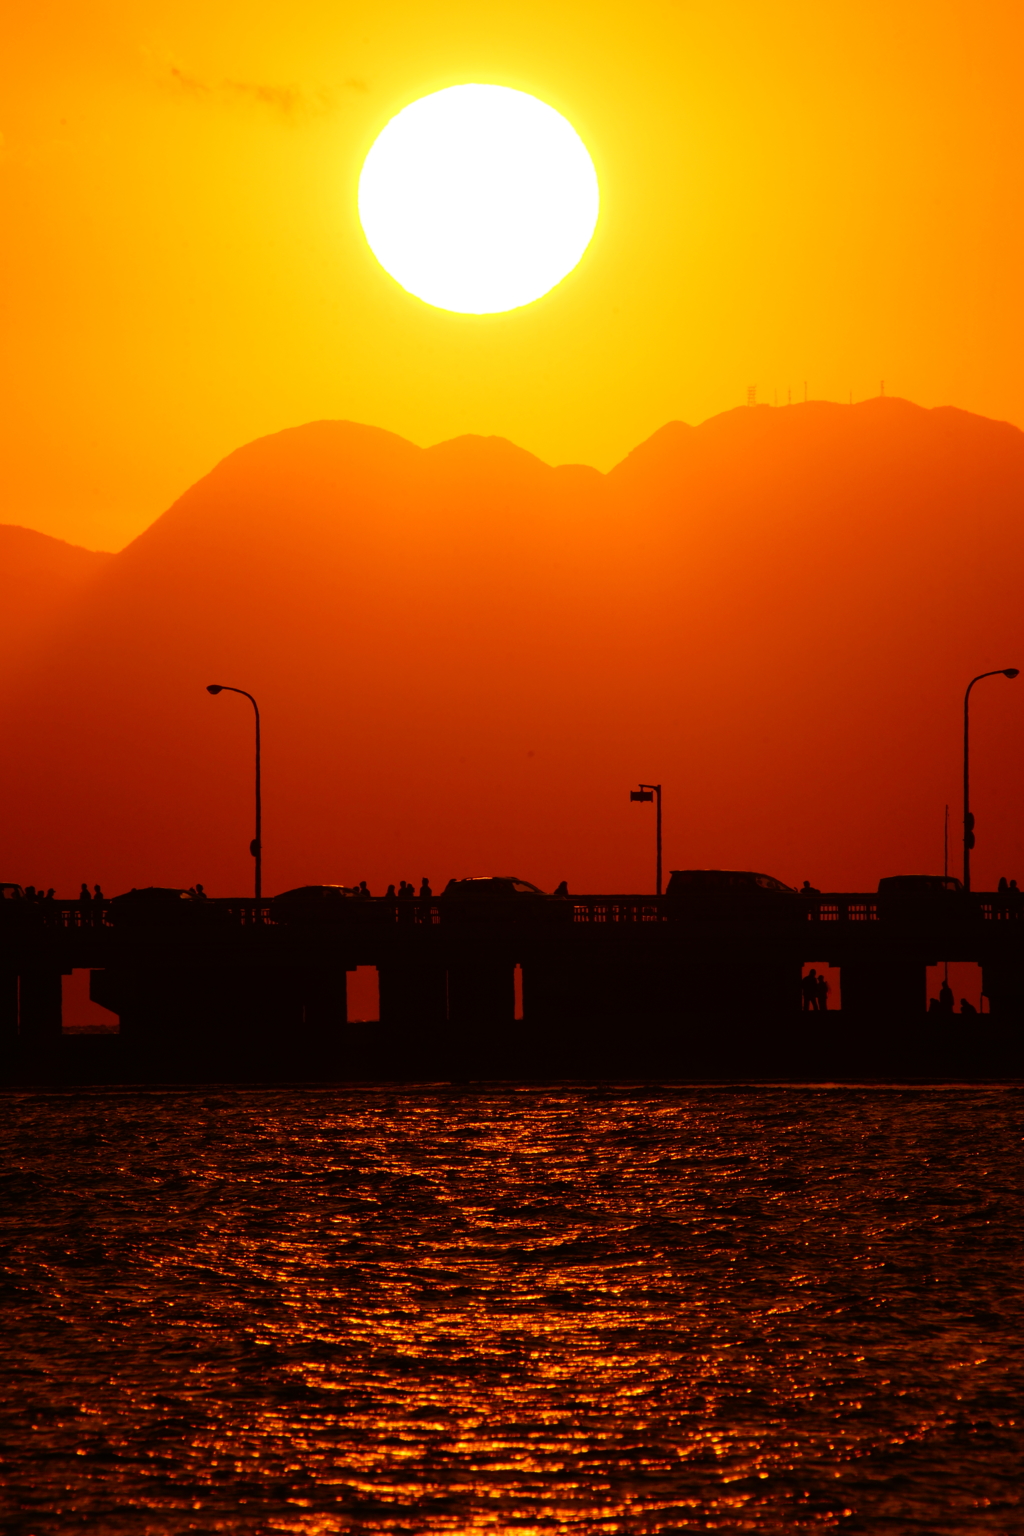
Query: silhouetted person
(807, 889)
(809, 991)
(966, 1007)
(562, 889)
(389, 894)
(425, 890)
(1013, 888)
(823, 989)
(403, 889)
(84, 898)
(30, 893)
(1002, 887)
(200, 893)
(49, 898)
(946, 999)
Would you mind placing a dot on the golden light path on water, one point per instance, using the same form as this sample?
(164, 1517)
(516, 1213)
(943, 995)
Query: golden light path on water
(596, 1309)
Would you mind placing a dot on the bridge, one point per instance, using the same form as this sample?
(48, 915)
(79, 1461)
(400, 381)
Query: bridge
(691, 985)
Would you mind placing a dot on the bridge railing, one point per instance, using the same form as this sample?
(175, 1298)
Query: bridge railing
(833, 908)
(997, 910)
(618, 909)
(830, 908)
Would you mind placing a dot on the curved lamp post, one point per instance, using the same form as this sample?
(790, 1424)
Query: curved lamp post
(652, 792)
(968, 818)
(256, 846)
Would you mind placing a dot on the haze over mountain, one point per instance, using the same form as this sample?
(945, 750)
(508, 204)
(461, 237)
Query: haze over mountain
(40, 578)
(465, 659)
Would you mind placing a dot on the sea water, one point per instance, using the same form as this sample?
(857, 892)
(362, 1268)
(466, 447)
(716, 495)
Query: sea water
(501, 1309)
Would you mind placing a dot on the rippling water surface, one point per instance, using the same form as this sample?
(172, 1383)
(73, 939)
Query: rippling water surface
(597, 1309)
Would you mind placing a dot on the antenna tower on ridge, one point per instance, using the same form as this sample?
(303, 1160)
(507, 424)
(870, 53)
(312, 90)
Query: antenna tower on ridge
(751, 394)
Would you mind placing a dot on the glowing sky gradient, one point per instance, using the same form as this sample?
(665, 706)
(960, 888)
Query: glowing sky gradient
(789, 193)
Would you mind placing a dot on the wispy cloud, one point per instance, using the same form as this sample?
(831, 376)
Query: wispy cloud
(289, 101)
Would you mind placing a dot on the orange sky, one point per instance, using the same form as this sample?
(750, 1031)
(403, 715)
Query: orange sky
(801, 191)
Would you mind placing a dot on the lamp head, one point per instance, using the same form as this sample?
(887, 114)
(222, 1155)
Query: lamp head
(214, 688)
(1011, 672)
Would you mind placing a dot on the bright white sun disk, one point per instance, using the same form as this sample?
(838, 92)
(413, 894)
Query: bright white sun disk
(478, 198)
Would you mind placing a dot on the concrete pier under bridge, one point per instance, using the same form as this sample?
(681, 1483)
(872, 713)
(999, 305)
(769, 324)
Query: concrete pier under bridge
(703, 982)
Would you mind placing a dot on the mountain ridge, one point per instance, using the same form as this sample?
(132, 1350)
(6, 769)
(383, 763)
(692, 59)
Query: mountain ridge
(464, 656)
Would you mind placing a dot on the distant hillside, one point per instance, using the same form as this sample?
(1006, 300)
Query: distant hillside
(465, 658)
(39, 578)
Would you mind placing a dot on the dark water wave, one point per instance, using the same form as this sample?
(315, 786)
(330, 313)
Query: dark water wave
(598, 1310)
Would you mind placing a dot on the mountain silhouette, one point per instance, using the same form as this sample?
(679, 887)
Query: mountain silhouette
(466, 658)
(40, 579)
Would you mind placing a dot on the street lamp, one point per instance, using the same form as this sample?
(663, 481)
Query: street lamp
(648, 792)
(968, 818)
(256, 846)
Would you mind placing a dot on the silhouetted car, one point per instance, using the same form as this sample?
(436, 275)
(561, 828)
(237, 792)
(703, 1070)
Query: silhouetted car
(487, 887)
(14, 909)
(684, 882)
(929, 895)
(312, 903)
(919, 885)
(159, 904)
(727, 893)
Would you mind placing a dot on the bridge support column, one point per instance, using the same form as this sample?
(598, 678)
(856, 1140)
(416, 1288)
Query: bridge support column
(40, 1006)
(410, 1038)
(576, 1005)
(324, 1002)
(413, 994)
(8, 1011)
(1003, 985)
(481, 1016)
(481, 994)
(1000, 1032)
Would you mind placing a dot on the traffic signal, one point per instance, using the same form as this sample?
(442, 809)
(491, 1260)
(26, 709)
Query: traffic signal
(641, 794)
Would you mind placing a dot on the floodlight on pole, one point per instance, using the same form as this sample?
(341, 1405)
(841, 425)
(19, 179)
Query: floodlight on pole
(652, 792)
(256, 846)
(969, 839)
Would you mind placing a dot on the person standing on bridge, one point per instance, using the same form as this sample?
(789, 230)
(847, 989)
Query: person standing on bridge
(809, 991)
(823, 989)
(425, 890)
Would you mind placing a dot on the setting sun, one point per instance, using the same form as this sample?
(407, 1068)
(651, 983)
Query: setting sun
(478, 199)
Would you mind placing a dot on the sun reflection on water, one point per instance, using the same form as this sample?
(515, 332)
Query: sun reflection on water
(512, 1310)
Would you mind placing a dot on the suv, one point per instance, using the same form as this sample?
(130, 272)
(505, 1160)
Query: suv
(727, 894)
(314, 903)
(697, 882)
(157, 904)
(489, 886)
(919, 885)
